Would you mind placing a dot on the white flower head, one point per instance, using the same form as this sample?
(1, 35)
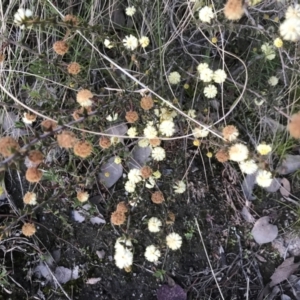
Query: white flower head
(200, 132)
(108, 44)
(219, 76)
(132, 132)
(174, 241)
(152, 254)
(206, 14)
(167, 127)
(273, 80)
(30, 198)
(206, 75)
(264, 178)
(268, 51)
(293, 12)
(28, 118)
(150, 132)
(290, 30)
(134, 176)
(130, 42)
(114, 140)
(150, 183)
(174, 77)
(123, 242)
(130, 186)
(264, 149)
(144, 41)
(123, 258)
(112, 117)
(248, 166)
(167, 114)
(143, 143)
(191, 113)
(179, 187)
(154, 224)
(201, 67)
(158, 153)
(210, 91)
(130, 11)
(21, 16)
(238, 152)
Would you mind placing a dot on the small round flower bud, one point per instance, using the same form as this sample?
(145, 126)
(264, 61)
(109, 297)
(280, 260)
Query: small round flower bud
(118, 218)
(84, 98)
(131, 116)
(104, 142)
(29, 198)
(222, 155)
(122, 207)
(146, 172)
(60, 47)
(33, 175)
(8, 146)
(146, 103)
(83, 149)
(73, 68)
(66, 139)
(34, 158)
(48, 125)
(154, 142)
(157, 197)
(28, 229)
(82, 196)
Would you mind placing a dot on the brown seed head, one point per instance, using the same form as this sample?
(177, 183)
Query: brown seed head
(33, 175)
(60, 47)
(147, 102)
(73, 68)
(34, 158)
(122, 207)
(294, 126)
(48, 125)
(131, 116)
(230, 133)
(66, 139)
(29, 198)
(146, 172)
(118, 218)
(104, 142)
(157, 197)
(234, 9)
(84, 98)
(155, 142)
(71, 19)
(83, 149)
(28, 229)
(222, 155)
(82, 196)
(8, 146)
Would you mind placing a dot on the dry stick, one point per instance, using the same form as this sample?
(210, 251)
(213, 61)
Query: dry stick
(206, 254)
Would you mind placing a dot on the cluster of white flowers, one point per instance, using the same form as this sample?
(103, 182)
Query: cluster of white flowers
(206, 14)
(154, 224)
(207, 75)
(269, 51)
(174, 77)
(123, 253)
(108, 44)
(165, 114)
(290, 28)
(179, 187)
(200, 132)
(21, 16)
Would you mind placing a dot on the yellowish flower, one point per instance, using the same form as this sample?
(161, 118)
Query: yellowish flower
(278, 43)
(263, 149)
(196, 143)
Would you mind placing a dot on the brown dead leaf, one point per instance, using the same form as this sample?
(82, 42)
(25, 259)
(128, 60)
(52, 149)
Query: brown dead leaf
(285, 187)
(287, 268)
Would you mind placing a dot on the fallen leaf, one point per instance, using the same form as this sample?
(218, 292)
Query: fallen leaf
(274, 187)
(166, 292)
(77, 216)
(248, 186)
(287, 268)
(110, 172)
(93, 280)
(97, 220)
(263, 232)
(247, 215)
(289, 164)
(285, 188)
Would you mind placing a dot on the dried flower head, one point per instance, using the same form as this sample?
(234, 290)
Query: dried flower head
(154, 142)
(122, 207)
(71, 19)
(48, 125)
(81, 112)
(146, 172)
(30, 198)
(8, 146)
(83, 149)
(66, 139)
(104, 142)
(73, 68)
(60, 47)
(294, 126)
(238, 152)
(28, 229)
(157, 197)
(34, 158)
(82, 196)
(147, 102)
(29, 118)
(84, 98)
(131, 116)
(118, 218)
(222, 155)
(234, 9)
(230, 133)
(33, 175)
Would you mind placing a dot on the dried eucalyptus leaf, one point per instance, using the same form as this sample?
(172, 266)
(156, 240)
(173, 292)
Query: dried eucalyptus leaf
(289, 164)
(139, 157)
(274, 187)
(8, 120)
(110, 172)
(285, 188)
(119, 129)
(248, 186)
(63, 274)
